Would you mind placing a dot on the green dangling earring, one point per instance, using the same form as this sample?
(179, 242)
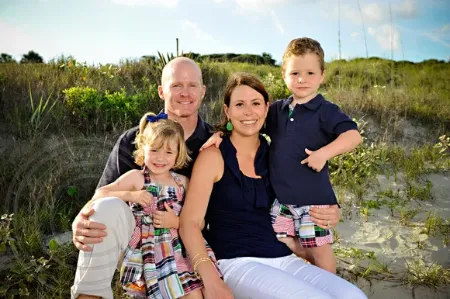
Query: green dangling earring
(229, 126)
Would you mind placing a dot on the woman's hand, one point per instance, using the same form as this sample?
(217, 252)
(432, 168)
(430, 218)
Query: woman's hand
(326, 218)
(215, 139)
(217, 290)
(163, 219)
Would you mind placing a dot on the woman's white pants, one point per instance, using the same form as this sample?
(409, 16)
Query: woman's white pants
(284, 278)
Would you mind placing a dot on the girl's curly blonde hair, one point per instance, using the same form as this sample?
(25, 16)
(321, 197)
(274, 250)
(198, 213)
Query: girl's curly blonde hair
(157, 134)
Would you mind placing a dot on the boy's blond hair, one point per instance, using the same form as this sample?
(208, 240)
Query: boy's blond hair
(157, 134)
(302, 46)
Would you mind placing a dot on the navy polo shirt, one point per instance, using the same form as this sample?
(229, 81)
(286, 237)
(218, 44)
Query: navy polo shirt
(121, 158)
(311, 125)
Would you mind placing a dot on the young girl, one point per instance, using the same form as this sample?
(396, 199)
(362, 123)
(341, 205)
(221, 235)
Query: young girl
(155, 263)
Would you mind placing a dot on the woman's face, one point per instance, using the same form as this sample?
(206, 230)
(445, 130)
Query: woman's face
(247, 111)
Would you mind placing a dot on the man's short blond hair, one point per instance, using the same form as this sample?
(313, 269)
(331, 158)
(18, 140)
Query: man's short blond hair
(169, 67)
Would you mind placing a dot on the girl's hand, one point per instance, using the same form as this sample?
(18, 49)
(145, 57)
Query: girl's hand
(142, 197)
(163, 219)
(217, 290)
(215, 139)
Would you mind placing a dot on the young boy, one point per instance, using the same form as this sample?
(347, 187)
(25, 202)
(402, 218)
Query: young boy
(306, 131)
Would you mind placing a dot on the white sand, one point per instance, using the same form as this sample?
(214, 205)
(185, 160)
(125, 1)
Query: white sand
(394, 243)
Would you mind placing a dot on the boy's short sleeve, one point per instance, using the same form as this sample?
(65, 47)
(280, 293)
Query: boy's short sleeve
(335, 122)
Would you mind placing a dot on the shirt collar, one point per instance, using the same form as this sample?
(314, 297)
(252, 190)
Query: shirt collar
(201, 131)
(313, 104)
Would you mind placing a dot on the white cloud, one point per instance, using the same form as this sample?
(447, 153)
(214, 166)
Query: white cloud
(386, 36)
(373, 13)
(445, 29)
(165, 3)
(277, 22)
(355, 34)
(439, 35)
(436, 38)
(198, 33)
(407, 9)
(258, 6)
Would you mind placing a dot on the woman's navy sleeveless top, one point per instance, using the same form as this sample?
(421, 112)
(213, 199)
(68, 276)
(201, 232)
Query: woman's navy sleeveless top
(238, 210)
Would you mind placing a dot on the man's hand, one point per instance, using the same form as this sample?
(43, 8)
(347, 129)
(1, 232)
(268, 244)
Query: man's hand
(215, 139)
(163, 219)
(326, 218)
(316, 159)
(85, 231)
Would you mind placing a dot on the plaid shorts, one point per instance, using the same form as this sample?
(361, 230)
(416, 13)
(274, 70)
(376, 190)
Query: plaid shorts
(295, 221)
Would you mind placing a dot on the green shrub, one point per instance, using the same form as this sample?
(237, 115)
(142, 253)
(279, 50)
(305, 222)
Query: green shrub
(90, 108)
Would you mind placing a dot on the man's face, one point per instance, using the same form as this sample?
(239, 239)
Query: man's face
(182, 89)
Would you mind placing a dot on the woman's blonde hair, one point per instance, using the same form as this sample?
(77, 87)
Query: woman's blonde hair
(157, 134)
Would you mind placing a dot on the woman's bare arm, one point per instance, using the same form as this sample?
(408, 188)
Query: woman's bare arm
(208, 169)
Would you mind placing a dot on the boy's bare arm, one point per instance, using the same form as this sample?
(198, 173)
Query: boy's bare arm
(344, 143)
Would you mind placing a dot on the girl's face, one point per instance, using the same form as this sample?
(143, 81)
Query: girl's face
(160, 159)
(247, 111)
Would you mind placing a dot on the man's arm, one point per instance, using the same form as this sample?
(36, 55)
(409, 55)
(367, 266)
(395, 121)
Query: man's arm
(120, 159)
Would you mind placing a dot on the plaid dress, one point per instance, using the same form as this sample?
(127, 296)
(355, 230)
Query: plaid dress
(155, 264)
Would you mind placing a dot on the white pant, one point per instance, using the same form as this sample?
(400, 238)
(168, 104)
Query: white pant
(284, 278)
(95, 269)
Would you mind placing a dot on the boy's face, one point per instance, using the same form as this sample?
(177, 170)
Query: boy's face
(303, 76)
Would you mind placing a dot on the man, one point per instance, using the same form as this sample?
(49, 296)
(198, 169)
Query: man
(182, 90)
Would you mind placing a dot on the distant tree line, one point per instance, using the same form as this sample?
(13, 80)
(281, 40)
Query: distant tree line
(30, 57)
(264, 58)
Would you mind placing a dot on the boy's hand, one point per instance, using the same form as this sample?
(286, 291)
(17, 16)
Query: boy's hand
(215, 139)
(142, 197)
(163, 219)
(316, 159)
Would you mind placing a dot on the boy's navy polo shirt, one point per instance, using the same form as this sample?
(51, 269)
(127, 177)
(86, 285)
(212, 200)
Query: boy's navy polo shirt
(312, 125)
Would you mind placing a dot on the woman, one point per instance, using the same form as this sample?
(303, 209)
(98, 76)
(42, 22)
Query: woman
(230, 188)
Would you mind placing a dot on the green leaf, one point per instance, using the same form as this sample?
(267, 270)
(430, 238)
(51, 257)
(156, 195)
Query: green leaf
(72, 191)
(53, 245)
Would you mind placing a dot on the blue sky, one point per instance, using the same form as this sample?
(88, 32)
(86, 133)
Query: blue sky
(106, 31)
